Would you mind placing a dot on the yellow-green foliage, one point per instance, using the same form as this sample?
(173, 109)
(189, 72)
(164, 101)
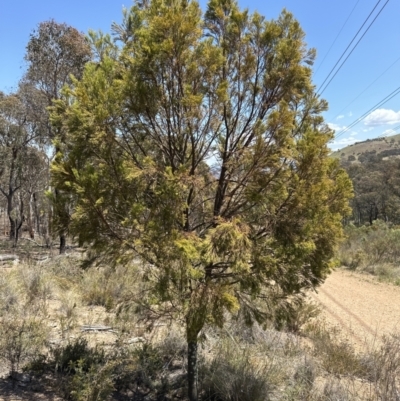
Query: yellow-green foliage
(198, 147)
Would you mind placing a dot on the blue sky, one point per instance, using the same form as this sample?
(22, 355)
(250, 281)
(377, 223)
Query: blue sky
(320, 19)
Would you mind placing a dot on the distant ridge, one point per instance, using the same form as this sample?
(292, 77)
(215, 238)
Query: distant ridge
(382, 147)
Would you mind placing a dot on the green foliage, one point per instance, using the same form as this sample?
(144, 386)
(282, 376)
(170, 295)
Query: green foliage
(376, 187)
(76, 355)
(54, 53)
(291, 316)
(149, 364)
(96, 384)
(268, 207)
(198, 147)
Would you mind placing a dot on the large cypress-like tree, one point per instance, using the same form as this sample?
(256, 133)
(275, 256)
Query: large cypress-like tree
(198, 146)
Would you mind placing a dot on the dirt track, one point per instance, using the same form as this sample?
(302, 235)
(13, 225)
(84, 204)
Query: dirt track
(364, 308)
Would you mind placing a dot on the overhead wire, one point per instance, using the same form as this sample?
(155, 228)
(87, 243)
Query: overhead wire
(375, 107)
(322, 87)
(348, 46)
(358, 96)
(392, 129)
(336, 38)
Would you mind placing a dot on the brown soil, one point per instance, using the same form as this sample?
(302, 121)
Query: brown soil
(362, 307)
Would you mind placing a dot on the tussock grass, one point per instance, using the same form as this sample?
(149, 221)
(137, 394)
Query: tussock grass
(236, 373)
(309, 362)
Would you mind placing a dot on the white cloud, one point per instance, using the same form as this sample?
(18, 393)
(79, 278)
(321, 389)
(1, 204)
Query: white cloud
(368, 129)
(382, 117)
(354, 133)
(388, 132)
(340, 117)
(350, 114)
(336, 127)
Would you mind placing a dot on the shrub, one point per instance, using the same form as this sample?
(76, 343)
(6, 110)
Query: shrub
(22, 339)
(74, 355)
(149, 364)
(291, 316)
(9, 297)
(96, 384)
(98, 288)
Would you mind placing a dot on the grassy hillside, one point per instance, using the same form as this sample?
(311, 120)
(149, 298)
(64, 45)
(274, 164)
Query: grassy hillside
(386, 147)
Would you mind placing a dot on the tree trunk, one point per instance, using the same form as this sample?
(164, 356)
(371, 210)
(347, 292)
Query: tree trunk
(37, 215)
(30, 220)
(13, 229)
(62, 243)
(13, 223)
(192, 370)
(60, 212)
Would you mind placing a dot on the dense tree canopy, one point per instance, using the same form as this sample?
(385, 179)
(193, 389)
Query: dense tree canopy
(198, 146)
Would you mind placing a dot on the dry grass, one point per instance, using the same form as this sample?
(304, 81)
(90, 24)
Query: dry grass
(44, 305)
(374, 250)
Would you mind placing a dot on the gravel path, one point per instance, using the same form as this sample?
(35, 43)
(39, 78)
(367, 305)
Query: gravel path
(364, 308)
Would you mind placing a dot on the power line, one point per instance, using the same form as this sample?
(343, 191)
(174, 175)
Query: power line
(347, 48)
(341, 29)
(393, 129)
(383, 73)
(341, 65)
(381, 103)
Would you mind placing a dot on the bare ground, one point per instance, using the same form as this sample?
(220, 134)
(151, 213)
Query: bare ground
(362, 307)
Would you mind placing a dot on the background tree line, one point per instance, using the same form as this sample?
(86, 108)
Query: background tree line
(376, 183)
(54, 53)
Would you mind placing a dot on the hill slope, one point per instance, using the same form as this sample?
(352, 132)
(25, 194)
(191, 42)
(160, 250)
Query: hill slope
(383, 148)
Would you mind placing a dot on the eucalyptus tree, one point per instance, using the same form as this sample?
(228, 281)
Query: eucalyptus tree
(54, 54)
(17, 137)
(198, 146)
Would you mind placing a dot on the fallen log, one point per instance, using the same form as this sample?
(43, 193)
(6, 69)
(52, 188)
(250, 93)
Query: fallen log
(4, 258)
(97, 328)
